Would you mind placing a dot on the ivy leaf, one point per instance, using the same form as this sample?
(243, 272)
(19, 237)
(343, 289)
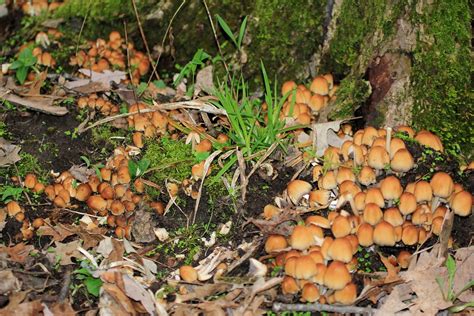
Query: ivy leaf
(16, 64)
(93, 286)
(21, 74)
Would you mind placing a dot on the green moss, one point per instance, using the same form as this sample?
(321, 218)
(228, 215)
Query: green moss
(108, 136)
(351, 94)
(442, 73)
(170, 159)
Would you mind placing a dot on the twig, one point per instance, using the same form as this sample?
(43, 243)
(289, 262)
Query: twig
(207, 164)
(66, 282)
(195, 104)
(144, 38)
(217, 40)
(82, 28)
(128, 60)
(80, 213)
(315, 307)
(154, 65)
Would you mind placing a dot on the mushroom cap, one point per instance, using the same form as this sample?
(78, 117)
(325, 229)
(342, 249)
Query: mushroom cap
(317, 172)
(289, 285)
(13, 208)
(372, 213)
(290, 266)
(402, 161)
(30, 180)
(325, 247)
(188, 273)
(374, 195)
(330, 79)
(296, 189)
(336, 276)
(410, 235)
(407, 203)
(462, 203)
(378, 157)
(354, 243)
(305, 267)
(404, 258)
(442, 184)
(440, 211)
(437, 225)
(318, 220)
(317, 102)
(319, 197)
(316, 232)
(327, 181)
(83, 192)
(319, 85)
(331, 157)
(359, 201)
(347, 295)
(316, 256)
(369, 135)
(117, 208)
(358, 154)
(406, 129)
(429, 139)
(384, 234)
(269, 211)
(96, 203)
(350, 187)
(340, 250)
(275, 243)
(391, 188)
(288, 86)
(365, 235)
(393, 216)
(343, 174)
(319, 277)
(341, 226)
(396, 144)
(366, 176)
(301, 238)
(310, 293)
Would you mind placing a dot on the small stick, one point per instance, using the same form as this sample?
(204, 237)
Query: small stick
(315, 307)
(66, 282)
(144, 38)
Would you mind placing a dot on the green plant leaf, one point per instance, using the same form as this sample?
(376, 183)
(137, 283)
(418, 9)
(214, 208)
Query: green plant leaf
(93, 286)
(243, 26)
(21, 74)
(26, 57)
(86, 160)
(16, 64)
(226, 29)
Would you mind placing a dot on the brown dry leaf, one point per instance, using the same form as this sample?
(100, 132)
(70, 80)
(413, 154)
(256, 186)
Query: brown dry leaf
(464, 273)
(35, 88)
(8, 153)
(9, 282)
(395, 302)
(90, 237)
(3, 217)
(40, 104)
(138, 292)
(200, 292)
(17, 253)
(65, 252)
(60, 309)
(58, 232)
(392, 271)
(98, 81)
(323, 136)
(81, 173)
(15, 307)
(204, 81)
(123, 305)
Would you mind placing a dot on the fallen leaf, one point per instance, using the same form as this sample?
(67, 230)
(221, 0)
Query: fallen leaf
(59, 309)
(395, 302)
(464, 273)
(40, 104)
(8, 153)
(137, 292)
(3, 217)
(204, 81)
(97, 81)
(143, 226)
(81, 173)
(65, 252)
(17, 253)
(323, 135)
(392, 271)
(35, 88)
(9, 282)
(58, 232)
(115, 300)
(15, 307)
(200, 292)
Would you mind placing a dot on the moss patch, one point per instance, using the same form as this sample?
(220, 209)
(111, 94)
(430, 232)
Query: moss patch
(441, 75)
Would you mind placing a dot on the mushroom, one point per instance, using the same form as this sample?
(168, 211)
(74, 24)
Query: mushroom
(410, 235)
(341, 226)
(328, 181)
(336, 276)
(374, 195)
(296, 189)
(403, 259)
(30, 180)
(384, 234)
(378, 158)
(462, 203)
(343, 174)
(319, 85)
(372, 213)
(340, 250)
(407, 203)
(442, 185)
(391, 188)
(305, 267)
(319, 197)
(289, 285)
(365, 235)
(393, 216)
(429, 139)
(310, 293)
(402, 161)
(347, 295)
(188, 273)
(369, 135)
(301, 238)
(366, 176)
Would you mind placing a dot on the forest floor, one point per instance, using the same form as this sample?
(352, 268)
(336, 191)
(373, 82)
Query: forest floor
(124, 192)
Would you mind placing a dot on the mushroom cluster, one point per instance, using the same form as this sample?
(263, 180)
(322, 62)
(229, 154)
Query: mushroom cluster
(36, 7)
(365, 173)
(93, 101)
(112, 54)
(302, 103)
(147, 124)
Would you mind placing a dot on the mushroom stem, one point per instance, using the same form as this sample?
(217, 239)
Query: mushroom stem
(388, 140)
(435, 203)
(352, 203)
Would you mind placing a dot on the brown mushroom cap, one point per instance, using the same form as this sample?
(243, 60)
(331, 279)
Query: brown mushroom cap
(391, 188)
(275, 243)
(319, 197)
(393, 216)
(404, 258)
(407, 129)
(13, 208)
(369, 135)
(319, 85)
(340, 250)
(365, 235)
(310, 293)
(83, 192)
(188, 273)
(407, 203)
(359, 201)
(429, 139)
(289, 285)
(384, 234)
(350, 187)
(30, 180)
(366, 176)
(372, 213)
(410, 235)
(341, 226)
(318, 220)
(301, 238)
(305, 267)
(336, 276)
(296, 189)
(288, 86)
(378, 158)
(325, 247)
(374, 195)
(442, 184)
(327, 181)
(402, 161)
(96, 203)
(347, 295)
(269, 211)
(343, 174)
(462, 203)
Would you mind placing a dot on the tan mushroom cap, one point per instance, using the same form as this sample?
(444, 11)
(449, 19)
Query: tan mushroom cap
(429, 139)
(374, 195)
(423, 191)
(305, 267)
(320, 86)
(319, 197)
(359, 201)
(350, 187)
(407, 129)
(318, 220)
(301, 238)
(442, 184)
(13, 208)
(403, 259)
(288, 86)
(340, 250)
(402, 161)
(289, 285)
(410, 235)
(393, 216)
(372, 213)
(391, 188)
(384, 234)
(407, 203)
(328, 181)
(366, 176)
(345, 173)
(296, 189)
(336, 276)
(188, 273)
(369, 135)
(341, 226)
(310, 293)
(462, 203)
(275, 243)
(347, 295)
(378, 158)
